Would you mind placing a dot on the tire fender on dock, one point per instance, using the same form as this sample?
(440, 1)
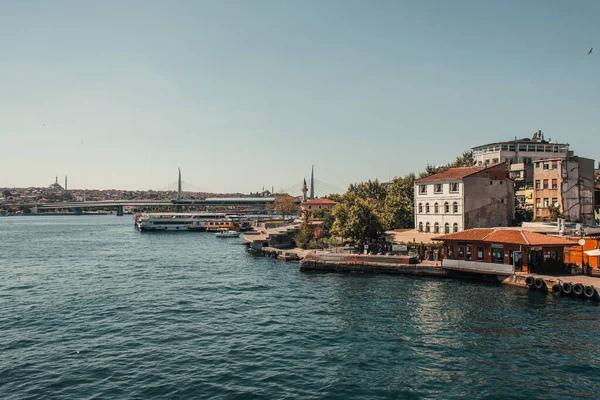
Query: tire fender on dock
(567, 288)
(578, 289)
(589, 292)
(529, 281)
(539, 283)
(556, 288)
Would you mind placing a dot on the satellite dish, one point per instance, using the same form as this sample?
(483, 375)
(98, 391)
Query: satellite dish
(581, 242)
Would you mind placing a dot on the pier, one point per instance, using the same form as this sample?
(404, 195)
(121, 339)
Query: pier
(573, 285)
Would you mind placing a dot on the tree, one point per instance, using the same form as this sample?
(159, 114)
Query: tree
(325, 215)
(467, 159)
(359, 220)
(284, 204)
(6, 193)
(554, 212)
(304, 235)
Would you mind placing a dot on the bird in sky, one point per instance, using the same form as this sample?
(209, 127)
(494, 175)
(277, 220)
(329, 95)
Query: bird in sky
(590, 52)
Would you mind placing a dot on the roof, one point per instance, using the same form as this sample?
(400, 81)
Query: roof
(506, 236)
(454, 174)
(520, 141)
(319, 201)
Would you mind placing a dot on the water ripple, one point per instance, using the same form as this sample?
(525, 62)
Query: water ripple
(90, 308)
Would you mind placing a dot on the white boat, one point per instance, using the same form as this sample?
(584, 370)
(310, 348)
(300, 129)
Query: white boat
(199, 222)
(226, 233)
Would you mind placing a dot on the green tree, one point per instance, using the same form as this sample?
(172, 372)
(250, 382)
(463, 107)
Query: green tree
(554, 212)
(304, 235)
(359, 220)
(398, 208)
(326, 215)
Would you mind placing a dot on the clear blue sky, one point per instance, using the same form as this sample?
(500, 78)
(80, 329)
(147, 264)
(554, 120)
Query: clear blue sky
(242, 94)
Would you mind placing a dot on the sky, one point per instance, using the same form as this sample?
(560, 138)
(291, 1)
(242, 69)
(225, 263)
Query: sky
(246, 94)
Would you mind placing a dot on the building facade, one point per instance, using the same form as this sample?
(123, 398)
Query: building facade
(464, 198)
(318, 204)
(519, 155)
(520, 151)
(503, 251)
(567, 184)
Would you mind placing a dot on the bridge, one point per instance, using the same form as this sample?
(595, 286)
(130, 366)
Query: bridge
(239, 202)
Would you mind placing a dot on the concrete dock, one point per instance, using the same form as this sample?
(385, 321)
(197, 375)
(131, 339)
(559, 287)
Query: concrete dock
(380, 264)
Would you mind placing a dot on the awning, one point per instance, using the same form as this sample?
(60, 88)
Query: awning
(595, 252)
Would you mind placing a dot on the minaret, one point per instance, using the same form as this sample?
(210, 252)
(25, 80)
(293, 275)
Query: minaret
(56, 181)
(65, 182)
(304, 191)
(179, 186)
(312, 183)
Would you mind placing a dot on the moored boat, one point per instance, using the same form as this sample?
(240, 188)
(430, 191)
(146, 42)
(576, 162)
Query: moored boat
(227, 233)
(199, 222)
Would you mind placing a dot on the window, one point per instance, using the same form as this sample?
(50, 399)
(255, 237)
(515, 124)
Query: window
(420, 227)
(555, 202)
(480, 253)
(498, 255)
(545, 183)
(554, 183)
(546, 166)
(504, 147)
(538, 203)
(447, 207)
(455, 207)
(469, 255)
(427, 227)
(454, 187)
(438, 188)
(546, 202)
(310, 207)
(461, 253)
(422, 189)
(455, 227)
(447, 228)
(554, 164)
(420, 208)
(436, 208)
(537, 164)
(436, 227)
(426, 208)
(537, 184)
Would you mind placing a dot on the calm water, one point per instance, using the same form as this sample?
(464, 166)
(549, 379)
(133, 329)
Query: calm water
(91, 308)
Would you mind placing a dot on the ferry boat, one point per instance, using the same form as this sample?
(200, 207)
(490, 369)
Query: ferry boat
(199, 222)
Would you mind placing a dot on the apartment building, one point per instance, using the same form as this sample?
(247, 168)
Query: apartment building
(464, 198)
(565, 183)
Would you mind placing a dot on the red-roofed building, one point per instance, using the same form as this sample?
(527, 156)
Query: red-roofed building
(318, 204)
(464, 198)
(503, 251)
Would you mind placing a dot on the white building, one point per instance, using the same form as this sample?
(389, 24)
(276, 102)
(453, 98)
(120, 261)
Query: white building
(521, 151)
(464, 198)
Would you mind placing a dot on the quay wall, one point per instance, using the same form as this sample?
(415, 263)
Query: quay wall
(369, 264)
